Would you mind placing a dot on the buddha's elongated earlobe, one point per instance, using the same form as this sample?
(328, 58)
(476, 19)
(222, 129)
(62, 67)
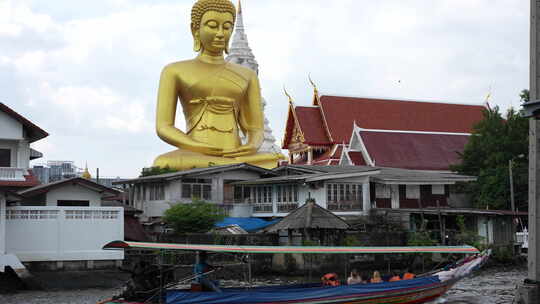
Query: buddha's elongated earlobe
(197, 44)
(227, 49)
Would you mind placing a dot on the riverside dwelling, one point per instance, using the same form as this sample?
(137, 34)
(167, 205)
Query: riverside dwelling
(59, 225)
(155, 194)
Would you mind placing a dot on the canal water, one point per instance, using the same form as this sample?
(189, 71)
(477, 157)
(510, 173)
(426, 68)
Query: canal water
(494, 285)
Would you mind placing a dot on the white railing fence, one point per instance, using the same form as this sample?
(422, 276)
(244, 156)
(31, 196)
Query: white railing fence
(12, 174)
(37, 234)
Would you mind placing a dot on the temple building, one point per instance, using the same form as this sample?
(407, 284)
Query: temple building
(407, 134)
(240, 53)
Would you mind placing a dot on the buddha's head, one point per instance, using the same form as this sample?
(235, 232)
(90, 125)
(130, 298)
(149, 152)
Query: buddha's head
(212, 23)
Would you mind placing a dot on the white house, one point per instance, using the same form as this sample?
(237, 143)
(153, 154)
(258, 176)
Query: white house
(155, 194)
(57, 224)
(16, 135)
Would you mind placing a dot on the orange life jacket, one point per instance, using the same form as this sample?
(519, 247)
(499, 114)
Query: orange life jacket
(330, 279)
(394, 279)
(408, 276)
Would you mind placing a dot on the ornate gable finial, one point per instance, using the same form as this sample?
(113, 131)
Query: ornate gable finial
(315, 91)
(291, 101)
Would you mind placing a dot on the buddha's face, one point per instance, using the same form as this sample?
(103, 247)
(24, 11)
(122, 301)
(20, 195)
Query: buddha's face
(215, 31)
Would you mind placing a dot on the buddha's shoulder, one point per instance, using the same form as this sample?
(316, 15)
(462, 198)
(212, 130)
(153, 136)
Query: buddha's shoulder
(180, 65)
(246, 73)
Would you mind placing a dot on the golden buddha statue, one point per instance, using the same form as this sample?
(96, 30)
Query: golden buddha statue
(218, 99)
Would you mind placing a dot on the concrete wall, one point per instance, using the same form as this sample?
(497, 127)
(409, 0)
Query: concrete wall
(10, 128)
(38, 234)
(73, 192)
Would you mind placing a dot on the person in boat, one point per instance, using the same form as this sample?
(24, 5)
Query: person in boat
(201, 269)
(330, 279)
(408, 275)
(395, 277)
(376, 277)
(354, 278)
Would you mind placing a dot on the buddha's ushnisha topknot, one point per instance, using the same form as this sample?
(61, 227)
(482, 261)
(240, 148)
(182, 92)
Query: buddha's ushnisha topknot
(203, 6)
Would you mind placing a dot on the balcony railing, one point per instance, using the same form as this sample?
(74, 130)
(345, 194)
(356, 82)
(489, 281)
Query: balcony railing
(344, 206)
(12, 174)
(285, 208)
(263, 208)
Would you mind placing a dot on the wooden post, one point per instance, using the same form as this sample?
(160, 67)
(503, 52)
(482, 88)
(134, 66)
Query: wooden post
(441, 227)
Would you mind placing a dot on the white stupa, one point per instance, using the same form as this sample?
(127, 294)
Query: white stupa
(240, 53)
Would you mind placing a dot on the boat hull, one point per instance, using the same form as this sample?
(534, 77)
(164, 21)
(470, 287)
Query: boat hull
(345, 295)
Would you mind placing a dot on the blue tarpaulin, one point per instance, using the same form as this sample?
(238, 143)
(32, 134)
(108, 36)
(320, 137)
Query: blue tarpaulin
(249, 224)
(312, 293)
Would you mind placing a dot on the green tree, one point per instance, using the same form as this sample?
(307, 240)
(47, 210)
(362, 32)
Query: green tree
(156, 171)
(495, 141)
(197, 217)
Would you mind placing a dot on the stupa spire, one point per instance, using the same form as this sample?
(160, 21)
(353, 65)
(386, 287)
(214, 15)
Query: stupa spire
(240, 52)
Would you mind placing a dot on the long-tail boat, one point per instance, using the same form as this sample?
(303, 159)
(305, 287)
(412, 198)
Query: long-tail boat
(422, 289)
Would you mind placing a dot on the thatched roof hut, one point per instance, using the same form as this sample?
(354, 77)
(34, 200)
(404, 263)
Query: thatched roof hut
(309, 216)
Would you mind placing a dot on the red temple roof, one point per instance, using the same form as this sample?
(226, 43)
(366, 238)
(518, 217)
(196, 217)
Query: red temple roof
(312, 125)
(385, 114)
(411, 150)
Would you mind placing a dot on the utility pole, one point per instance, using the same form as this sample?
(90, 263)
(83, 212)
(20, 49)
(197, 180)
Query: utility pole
(512, 200)
(528, 291)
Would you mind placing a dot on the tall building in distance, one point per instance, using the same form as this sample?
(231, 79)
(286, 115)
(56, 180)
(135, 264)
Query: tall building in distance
(240, 53)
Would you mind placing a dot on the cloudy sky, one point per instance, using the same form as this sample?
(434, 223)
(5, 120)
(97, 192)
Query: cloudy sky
(87, 71)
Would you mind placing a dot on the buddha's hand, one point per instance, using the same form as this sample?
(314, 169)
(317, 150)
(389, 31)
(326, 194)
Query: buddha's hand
(244, 150)
(203, 148)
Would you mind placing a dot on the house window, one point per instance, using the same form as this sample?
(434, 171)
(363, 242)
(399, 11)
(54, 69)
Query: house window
(382, 191)
(5, 158)
(262, 194)
(344, 192)
(72, 203)
(412, 191)
(197, 189)
(287, 194)
(437, 189)
(344, 197)
(157, 192)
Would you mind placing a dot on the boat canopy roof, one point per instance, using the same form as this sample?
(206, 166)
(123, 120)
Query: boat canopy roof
(289, 249)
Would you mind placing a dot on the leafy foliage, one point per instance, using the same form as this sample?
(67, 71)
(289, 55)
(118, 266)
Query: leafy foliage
(197, 217)
(466, 236)
(496, 141)
(421, 238)
(156, 171)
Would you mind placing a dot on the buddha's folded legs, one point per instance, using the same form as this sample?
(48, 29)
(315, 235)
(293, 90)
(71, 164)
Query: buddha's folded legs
(185, 160)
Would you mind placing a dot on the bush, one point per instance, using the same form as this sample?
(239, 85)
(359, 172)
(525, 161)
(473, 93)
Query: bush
(197, 217)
